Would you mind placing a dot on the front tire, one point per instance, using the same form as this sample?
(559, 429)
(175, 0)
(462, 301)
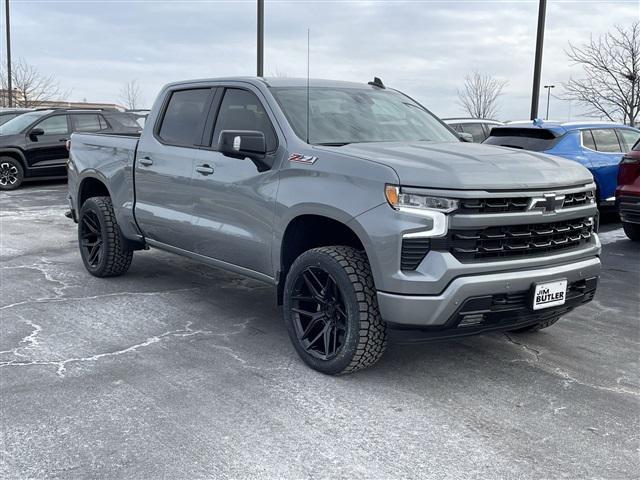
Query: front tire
(632, 230)
(103, 250)
(331, 310)
(11, 173)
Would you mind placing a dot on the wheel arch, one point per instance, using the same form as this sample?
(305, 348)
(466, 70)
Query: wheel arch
(91, 186)
(310, 230)
(17, 155)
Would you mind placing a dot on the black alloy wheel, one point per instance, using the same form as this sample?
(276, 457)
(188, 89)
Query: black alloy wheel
(331, 311)
(319, 313)
(91, 238)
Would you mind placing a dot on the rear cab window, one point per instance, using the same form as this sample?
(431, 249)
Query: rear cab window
(183, 117)
(534, 139)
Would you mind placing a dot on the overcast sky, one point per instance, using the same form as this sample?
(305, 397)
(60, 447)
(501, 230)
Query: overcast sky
(424, 48)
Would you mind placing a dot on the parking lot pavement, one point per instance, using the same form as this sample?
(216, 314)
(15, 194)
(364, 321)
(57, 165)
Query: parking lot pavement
(177, 370)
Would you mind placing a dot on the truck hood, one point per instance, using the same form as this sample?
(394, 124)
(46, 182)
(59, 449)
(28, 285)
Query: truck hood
(470, 166)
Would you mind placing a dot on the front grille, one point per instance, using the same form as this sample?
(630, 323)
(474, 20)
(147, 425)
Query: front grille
(515, 240)
(493, 205)
(518, 204)
(413, 251)
(578, 199)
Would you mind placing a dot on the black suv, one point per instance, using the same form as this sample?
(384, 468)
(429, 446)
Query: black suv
(33, 145)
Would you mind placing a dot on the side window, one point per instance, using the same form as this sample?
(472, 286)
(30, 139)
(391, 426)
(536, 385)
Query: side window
(606, 140)
(183, 117)
(587, 139)
(628, 138)
(56, 125)
(241, 110)
(87, 123)
(476, 131)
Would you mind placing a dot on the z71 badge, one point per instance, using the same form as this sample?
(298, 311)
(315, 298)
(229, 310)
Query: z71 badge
(298, 157)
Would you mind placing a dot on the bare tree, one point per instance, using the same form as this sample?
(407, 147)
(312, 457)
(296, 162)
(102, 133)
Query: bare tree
(130, 95)
(30, 87)
(480, 94)
(611, 87)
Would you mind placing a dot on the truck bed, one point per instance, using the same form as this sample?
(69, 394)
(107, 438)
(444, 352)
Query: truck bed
(111, 156)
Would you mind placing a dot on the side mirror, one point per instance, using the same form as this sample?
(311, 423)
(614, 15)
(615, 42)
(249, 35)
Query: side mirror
(242, 144)
(36, 132)
(465, 137)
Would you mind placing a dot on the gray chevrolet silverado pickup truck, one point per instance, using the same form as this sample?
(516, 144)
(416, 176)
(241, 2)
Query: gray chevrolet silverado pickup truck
(368, 214)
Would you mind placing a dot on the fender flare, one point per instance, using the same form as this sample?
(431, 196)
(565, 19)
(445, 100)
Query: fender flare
(18, 152)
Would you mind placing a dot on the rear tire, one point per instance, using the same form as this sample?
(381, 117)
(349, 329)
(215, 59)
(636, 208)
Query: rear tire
(11, 173)
(102, 247)
(632, 230)
(331, 310)
(537, 327)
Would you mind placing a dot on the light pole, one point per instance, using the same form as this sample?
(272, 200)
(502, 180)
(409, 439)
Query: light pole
(548, 87)
(535, 94)
(9, 85)
(260, 68)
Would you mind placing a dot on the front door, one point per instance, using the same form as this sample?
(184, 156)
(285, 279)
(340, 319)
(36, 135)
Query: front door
(164, 166)
(235, 200)
(48, 153)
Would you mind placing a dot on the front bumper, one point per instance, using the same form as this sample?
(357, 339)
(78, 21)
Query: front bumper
(443, 310)
(629, 208)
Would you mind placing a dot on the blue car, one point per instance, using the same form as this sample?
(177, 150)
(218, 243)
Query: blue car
(599, 146)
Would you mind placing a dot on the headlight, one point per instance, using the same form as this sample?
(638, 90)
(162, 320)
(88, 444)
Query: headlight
(432, 208)
(400, 200)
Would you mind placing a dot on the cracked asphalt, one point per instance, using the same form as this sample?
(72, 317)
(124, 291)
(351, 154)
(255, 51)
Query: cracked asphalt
(177, 370)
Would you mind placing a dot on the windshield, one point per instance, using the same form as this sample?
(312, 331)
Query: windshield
(18, 124)
(338, 116)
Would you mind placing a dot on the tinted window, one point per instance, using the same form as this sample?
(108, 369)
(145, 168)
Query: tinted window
(241, 110)
(606, 140)
(535, 139)
(628, 138)
(587, 139)
(183, 117)
(476, 131)
(88, 123)
(54, 125)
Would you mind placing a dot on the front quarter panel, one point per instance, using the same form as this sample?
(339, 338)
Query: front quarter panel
(334, 186)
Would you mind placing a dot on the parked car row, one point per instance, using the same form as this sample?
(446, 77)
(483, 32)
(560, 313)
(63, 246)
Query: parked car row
(33, 144)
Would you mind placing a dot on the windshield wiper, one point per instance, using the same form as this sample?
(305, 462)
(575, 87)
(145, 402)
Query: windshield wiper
(333, 144)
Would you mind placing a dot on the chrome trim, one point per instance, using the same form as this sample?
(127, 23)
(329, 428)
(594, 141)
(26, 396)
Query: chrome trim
(471, 194)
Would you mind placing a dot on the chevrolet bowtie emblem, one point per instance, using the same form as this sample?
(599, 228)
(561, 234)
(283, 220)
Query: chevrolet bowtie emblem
(548, 203)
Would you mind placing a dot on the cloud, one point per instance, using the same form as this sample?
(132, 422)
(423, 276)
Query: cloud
(422, 47)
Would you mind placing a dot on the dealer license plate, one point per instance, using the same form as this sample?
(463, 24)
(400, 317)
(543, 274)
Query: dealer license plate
(549, 294)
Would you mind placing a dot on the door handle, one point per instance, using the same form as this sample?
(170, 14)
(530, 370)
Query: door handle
(204, 169)
(146, 161)
(63, 139)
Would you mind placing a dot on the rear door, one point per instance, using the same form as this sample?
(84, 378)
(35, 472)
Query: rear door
(236, 201)
(48, 153)
(164, 166)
